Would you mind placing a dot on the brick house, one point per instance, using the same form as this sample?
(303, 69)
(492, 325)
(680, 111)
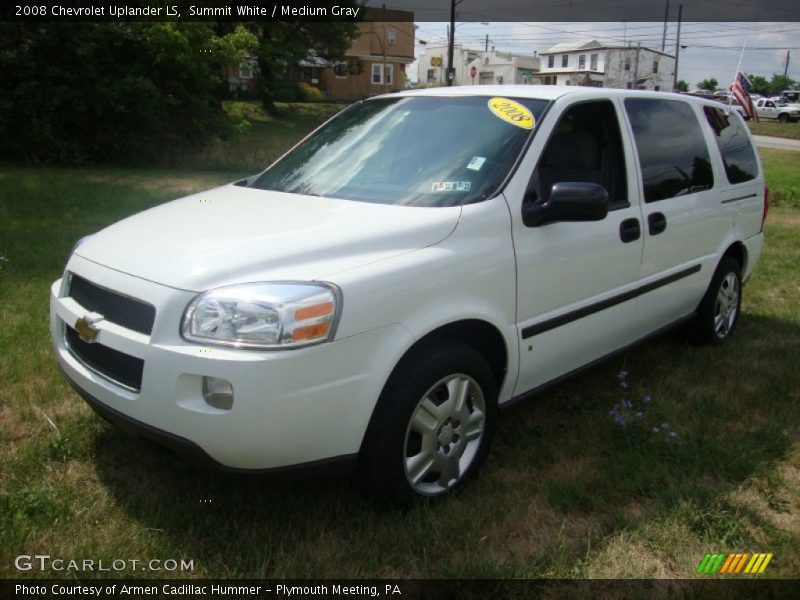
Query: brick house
(361, 73)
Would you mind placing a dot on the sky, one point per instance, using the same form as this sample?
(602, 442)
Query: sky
(711, 49)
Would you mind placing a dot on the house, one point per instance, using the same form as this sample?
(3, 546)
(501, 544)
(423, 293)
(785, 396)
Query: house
(432, 65)
(489, 67)
(504, 68)
(374, 63)
(600, 65)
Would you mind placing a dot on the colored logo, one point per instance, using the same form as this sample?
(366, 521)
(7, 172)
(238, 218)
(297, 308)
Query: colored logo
(733, 564)
(87, 328)
(512, 112)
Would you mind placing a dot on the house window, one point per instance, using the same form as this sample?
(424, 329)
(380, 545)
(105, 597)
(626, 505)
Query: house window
(431, 75)
(593, 62)
(341, 69)
(582, 61)
(377, 68)
(391, 36)
(551, 61)
(564, 60)
(629, 85)
(627, 63)
(245, 70)
(655, 66)
(547, 80)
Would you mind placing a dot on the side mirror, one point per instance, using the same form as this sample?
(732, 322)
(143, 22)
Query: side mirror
(569, 201)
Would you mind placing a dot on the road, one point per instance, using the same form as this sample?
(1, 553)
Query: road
(777, 143)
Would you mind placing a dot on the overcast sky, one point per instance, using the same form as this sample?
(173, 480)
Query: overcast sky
(711, 49)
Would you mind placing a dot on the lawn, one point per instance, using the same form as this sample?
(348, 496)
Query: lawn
(567, 492)
(775, 129)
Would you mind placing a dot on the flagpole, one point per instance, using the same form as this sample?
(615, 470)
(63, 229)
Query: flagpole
(735, 76)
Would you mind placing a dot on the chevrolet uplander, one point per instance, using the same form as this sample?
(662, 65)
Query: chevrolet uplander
(424, 258)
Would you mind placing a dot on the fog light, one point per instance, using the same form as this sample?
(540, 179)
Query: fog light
(218, 392)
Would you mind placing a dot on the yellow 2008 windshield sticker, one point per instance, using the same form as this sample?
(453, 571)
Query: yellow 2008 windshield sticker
(512, 112)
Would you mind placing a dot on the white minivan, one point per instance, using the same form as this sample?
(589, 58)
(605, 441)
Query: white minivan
(420, 261)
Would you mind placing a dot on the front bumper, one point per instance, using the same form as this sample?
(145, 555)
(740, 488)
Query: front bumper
(290, 408)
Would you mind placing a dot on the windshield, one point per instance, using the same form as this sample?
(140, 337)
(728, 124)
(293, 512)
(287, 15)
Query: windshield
(419, 150)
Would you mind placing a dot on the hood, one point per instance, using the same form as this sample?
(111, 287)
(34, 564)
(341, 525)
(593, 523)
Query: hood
(235, 235)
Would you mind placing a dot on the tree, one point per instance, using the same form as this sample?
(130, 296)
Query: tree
(681, 86)
(778, 83)
(284, 45)
(759, 85)
(709, 84)
(76, 92)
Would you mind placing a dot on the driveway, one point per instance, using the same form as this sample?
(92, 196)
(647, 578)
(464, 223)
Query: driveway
(778, 143)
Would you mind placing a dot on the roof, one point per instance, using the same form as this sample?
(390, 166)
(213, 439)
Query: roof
(546, 92)
(572, 47)
(566, 47)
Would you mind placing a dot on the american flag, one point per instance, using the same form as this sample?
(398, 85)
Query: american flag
(741, 91)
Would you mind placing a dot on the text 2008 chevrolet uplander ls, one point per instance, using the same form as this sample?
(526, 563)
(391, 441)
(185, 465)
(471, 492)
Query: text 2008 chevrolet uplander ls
(422, 259)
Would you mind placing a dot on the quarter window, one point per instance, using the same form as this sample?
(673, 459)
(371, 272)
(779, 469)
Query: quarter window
(734, 145)
(672, 151)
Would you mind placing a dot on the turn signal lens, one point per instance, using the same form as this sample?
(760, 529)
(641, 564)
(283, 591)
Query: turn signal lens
(309, 312)
(311, 332)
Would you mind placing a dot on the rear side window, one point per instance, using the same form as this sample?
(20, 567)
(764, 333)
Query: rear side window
(672, 151)
(734, 145)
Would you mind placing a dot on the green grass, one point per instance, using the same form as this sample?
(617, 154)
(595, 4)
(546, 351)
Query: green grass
(264, 139)
(782, 173)
(775, 129)
(566, 493)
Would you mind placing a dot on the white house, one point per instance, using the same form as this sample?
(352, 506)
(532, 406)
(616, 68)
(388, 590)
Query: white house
(503, 67)
(489, 67)
(600, 65)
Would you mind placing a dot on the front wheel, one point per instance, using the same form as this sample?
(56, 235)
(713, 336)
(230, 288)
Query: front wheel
(433, 424)
(718, 312)
(783, 118)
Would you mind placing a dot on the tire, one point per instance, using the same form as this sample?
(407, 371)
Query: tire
(718, 312)
(433, 425)
(783, 118)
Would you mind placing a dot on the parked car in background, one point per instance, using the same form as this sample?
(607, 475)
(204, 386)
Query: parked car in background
(791, 96)
(776, 110)
(421, 261)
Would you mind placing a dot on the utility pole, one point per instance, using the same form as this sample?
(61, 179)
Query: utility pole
(636, 65)
(786, 65)
(385, 41)
(664, 35)
(451, 43)
(677, 49)
(486, 47)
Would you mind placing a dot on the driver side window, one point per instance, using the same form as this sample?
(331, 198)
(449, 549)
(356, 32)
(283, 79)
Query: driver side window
(585, 146)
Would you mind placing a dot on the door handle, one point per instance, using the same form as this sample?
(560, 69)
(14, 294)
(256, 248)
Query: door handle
(629, 230)
(656, 223)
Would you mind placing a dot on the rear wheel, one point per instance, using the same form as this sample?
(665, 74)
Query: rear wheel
(433, 424)
(719, 310)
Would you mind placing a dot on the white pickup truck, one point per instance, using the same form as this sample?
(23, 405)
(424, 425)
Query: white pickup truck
(775, 109)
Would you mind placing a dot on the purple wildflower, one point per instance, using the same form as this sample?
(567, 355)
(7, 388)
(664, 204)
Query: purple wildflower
(656, 430)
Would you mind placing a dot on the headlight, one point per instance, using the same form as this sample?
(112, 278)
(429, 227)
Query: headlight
(264, 315)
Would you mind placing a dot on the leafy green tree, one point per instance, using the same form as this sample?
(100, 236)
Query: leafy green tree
(284, 45)
(709, 84)
(759, 85)
(681, 86)
(778, 83)
(74, 92)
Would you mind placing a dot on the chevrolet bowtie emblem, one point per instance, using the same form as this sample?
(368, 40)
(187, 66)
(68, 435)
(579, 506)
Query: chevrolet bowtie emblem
(87, 328)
